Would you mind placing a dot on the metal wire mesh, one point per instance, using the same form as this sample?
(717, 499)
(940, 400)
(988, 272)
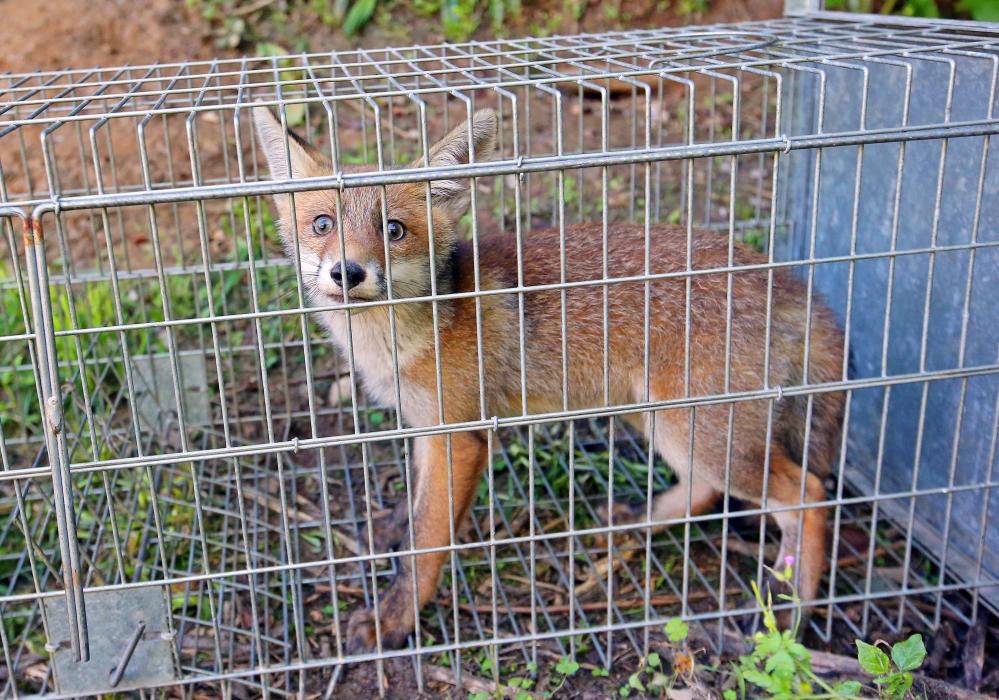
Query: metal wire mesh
(174, 419)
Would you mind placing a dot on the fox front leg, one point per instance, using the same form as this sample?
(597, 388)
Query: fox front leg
(432, 528)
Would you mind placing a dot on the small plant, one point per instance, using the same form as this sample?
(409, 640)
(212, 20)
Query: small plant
(652, 678)
(688, 8)
(576, 8)
(357, 16)
(779, 664)
(565, 668)
(892, 676)
(460, 18)
(520, 687)
(980, 10)
(677, 632)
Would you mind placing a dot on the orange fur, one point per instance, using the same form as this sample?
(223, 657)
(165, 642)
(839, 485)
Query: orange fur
(712, 325)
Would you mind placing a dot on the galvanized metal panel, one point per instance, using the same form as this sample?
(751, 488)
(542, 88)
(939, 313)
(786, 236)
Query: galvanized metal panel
(945, 198)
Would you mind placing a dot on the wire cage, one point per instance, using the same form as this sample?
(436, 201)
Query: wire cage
(190, 467)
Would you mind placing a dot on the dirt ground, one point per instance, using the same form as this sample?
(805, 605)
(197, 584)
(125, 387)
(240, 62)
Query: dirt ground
(61, 34)
(78, 34)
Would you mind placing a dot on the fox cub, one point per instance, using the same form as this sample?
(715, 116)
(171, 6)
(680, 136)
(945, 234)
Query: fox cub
(719, 323)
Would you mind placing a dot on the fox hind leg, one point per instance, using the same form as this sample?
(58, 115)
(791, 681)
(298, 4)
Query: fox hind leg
(803, 529)
(671, 443)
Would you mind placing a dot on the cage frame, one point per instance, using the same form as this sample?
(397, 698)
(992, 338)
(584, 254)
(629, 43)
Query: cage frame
(31, 211)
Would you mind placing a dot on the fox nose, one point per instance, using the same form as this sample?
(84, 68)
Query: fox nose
(355, 274)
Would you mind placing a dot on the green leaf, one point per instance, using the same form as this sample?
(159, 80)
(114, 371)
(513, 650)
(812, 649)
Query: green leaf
(906, 683)
(769, 644)
(921, 8)
(729, 694)
(676, 629)
(359, 14)
(909, 655)
(313, 541)
(980, 10)
(566, 666)
(459, 18)
(872, 659)
(799, 651)
(599, 672)
(847, 689)
(781, 665)
(635, 682)
(759, 678)
(295, 114)
(497, 12)
(894, 686)
(653, 660)
(659, 680)
(268, 49)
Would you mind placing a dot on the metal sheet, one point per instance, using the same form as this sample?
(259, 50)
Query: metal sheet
(113, 619)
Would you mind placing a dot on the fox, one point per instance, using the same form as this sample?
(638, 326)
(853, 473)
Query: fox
(714, 449)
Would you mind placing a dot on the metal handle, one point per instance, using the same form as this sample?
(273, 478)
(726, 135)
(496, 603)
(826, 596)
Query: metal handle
(62, 484)
(759, 40)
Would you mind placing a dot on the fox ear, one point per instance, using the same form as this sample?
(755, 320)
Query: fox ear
(282, 147)
(453, 149)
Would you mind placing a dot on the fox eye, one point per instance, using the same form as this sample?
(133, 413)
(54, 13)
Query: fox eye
(322, 225)
(395, 230)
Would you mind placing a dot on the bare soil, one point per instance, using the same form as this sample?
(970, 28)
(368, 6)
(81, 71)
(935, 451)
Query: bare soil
(75, 34)
(78, 35)
(72, 34)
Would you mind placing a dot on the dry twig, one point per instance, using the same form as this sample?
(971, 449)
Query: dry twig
(626, 604)
(472, 684)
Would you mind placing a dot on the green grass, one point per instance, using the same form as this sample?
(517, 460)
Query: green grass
(979, 10)
(18, 398)
(236, 23)
(91, 305)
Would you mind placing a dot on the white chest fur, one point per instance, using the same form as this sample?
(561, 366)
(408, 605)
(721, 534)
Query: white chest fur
(368, 338)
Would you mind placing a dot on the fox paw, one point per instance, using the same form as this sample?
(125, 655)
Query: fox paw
(624, 513)
(361, 636)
